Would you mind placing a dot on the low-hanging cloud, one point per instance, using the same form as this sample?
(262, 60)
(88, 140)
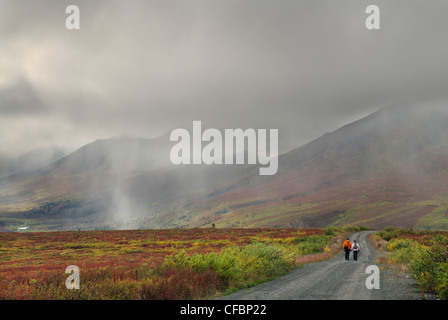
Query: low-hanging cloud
(20, 98)
(145, 67)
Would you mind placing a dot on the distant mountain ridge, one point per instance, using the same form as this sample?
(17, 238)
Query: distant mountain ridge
(121, 155)
(387, 168)
(31, 161)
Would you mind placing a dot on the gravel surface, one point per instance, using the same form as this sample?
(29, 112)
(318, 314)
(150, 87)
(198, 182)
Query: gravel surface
(336, 279)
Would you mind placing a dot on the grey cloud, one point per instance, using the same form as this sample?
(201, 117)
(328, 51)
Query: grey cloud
(144, 67)
(20, 98)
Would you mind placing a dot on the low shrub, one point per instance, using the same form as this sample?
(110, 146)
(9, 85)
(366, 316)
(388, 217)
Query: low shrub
(427, 261)
(239, 266)
(430, 267)
(355, 228)
(405, 251)
(313, 244)
(181, 284)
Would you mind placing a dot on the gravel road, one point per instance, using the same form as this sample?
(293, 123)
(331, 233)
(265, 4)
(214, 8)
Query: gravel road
(336, 279)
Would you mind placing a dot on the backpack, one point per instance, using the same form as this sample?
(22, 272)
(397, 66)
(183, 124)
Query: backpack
(355, 246)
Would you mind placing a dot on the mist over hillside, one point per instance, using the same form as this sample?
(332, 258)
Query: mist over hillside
(387, 168)
(30, 161)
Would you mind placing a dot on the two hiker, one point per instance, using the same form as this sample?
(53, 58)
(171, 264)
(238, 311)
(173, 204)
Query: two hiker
(348, 246)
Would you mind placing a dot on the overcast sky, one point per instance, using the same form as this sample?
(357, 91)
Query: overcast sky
(143, 68)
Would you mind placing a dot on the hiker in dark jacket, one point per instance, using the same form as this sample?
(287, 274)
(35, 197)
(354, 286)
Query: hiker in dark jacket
(355, 248)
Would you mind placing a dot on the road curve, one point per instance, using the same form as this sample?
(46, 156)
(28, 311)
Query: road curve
(334, 279)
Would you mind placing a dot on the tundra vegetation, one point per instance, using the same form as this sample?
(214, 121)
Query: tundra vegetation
(424, 254)
(155, 264)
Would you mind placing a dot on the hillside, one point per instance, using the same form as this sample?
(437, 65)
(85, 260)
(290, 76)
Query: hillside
(363, 173)
(387, 168)
(105, 183)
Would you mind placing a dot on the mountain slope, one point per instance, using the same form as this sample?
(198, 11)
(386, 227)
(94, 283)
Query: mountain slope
(387, 168)
(105, 183)
(350, 176)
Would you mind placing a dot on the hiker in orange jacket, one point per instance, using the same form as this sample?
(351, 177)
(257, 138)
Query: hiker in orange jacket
(347, 246)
